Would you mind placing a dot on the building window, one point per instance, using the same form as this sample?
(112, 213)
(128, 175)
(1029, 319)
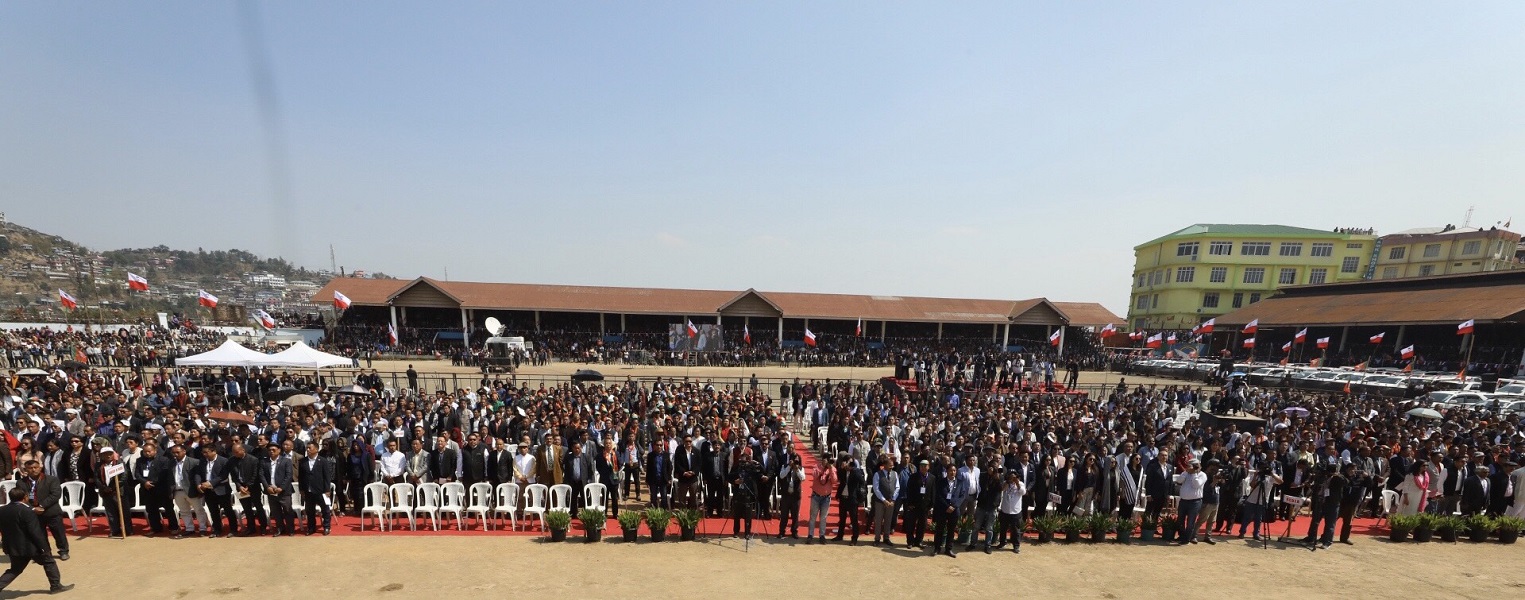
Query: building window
(1349, 264)
(1471, 247)
(1156, 277)
(1291, 249)
(1220, 248)
(1426, 270)
(1254, 297)
(1154, 301)
(1431, 250)
(1255, 249)
(1218, 275)
(1255, 275)
(1353, 245)
(1141, 280)
(1397, 253)
(1238, 299)
(1287, 277)
(1186, 249)
(1316, 276)
(1143, 302)
(1210, 300)
(1321, 249)
(1390, 272)
(1186, 274)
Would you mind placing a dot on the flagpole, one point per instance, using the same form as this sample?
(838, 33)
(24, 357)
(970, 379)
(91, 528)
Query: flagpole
(1471, 337)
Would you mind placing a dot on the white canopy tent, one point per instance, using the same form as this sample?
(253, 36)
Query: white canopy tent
(229, 354)
(302, 356)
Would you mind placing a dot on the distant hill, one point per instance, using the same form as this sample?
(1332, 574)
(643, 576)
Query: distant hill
(36, 265)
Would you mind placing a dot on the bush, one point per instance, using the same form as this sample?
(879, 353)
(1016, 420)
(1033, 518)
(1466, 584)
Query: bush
(1402, 523)
(1124, 525)
(1450, 524)
(1073, 525)
(1170, 523)
(630, 520)
(657, 519)
(1048, 523)
(1100, 524)
(688, 518)
(1426, 522)
(1479, 523)
(558, 520)
(1503, 524)
(592, 519)
(1150, 523)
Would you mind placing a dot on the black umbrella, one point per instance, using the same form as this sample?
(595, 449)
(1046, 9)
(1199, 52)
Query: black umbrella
(587, 375)
(281, 394)
(72, 365)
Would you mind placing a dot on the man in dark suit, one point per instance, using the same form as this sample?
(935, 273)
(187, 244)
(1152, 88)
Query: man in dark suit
(215, 492)
(443, 461)
(275, 480)
(789, 481)
(686, 463)
(1157, 485)
(44, 493)
(768, 466)
(579, 471)
(474, 460)
(501, 467)
(25, 543)
(243, 478)
(917, 500)
(659, 474)
(948, 494)
(1475, 492)
(850, 497)
(314, 474)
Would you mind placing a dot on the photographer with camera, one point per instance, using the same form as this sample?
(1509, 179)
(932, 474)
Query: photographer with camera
(1264, 474)
(1328, 492)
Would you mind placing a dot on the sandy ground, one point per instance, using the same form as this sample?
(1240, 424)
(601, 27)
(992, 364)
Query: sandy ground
(492, 567)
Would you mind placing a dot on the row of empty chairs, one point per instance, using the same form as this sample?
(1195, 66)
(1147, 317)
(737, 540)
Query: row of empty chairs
(385, 504)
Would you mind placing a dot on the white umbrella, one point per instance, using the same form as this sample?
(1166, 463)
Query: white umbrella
(1425, 413)
(301, 400)
(353, 389)
(32, 373)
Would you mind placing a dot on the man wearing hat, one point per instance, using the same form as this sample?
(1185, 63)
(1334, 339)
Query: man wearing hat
(110, 474)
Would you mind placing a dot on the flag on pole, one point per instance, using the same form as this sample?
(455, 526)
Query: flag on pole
(137, 282)
(1409, 368)
(692, 331)
(859, 330)
(1322, 343)
(1361, 368)
(1108, 331)
(1465, 328)
(1249, 342)
(1155, 340)
(1053, 338)
(79, 355)
(746, 333)
(1171, 339)
(1287, 347)
(205, 299)
(68, 301)
(341, 301)
(1302, 336)
(1207, 326)
(1377, 339)
(809, 338)
(1347, 386)
(392, 334)
(1251, 327)
(1313, 363)
(1408, 352)
(264, 318)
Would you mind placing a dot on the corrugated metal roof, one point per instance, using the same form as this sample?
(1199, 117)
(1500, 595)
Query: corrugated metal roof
(1246, 229)
(1089, 314)
(1485, 297)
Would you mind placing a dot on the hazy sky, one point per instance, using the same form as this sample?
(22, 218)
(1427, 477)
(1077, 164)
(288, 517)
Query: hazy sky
(1002, 150)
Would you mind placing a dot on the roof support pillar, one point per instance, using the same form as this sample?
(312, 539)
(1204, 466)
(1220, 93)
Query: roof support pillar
(601, 328)
(393, 310)
(882, 326)
(1006, 337)
(780, 332)
(939, 331)
(465, 330)
(537, 320)
(1344, 332)
(1398, 342)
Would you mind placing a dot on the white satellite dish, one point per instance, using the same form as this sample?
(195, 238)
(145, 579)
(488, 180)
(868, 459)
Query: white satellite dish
(494, 326)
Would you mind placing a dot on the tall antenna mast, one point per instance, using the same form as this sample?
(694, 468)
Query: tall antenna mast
(1467, 222)
(333, 265)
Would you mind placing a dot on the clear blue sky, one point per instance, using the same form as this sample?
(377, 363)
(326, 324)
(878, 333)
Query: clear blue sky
(1002, 150)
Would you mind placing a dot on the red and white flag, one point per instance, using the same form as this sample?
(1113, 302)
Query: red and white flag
(392, 334)
(1465, 328)
(68, 301)
(1053, 338)
(205, 299)
(1249, 342)
(1108, 331)
(1207, 326)
(1322, 343)
(692, 331)
(746, 333)
(1155, 340)
(1171, 339)
(1302, 336)
(1407, 352)
(1251, 327)
(859, 331)
(137, 282)
(1287, 347)
(1376, 339)
(341, 301)
(265, 320)
(809, 338)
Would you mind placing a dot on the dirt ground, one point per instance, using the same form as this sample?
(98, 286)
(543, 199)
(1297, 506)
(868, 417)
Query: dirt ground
(384, 566)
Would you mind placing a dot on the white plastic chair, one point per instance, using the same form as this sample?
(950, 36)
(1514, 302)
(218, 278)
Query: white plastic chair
(507, 502)
(73, 502)
(402, 503)
(98, 509)
(5, 488)
(480, 505)
(428, 503)
(534, 502)
(593, 496)
(375, 495)
(561, 497)
(455, 502)
(138, 508)
(297, 506)
(1389, 503)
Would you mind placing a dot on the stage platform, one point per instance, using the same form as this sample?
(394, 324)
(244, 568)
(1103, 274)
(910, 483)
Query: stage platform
(1241, 422)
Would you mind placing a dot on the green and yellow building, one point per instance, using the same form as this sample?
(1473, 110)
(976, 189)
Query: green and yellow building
(1202, 271)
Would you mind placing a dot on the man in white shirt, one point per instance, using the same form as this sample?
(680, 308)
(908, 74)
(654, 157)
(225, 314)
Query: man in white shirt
(1193, 481)
(393, 463)
(1011, 511)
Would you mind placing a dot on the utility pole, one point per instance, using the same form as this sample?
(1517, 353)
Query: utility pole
(333, 265)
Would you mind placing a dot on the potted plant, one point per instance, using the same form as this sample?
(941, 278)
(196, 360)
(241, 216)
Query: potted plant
(1099, 525)
(630, 524)
(1170, 525)
(1399, 526)
(593, 523)
(966, 529)
(1449, 526)
(657, 520)
(558, 521)
(1124, 527)
(1508, 528)
(1046, 525)
(1072, 527)
(1424, 527)
(1478, 528)
(1147, 527)
(688, 522)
